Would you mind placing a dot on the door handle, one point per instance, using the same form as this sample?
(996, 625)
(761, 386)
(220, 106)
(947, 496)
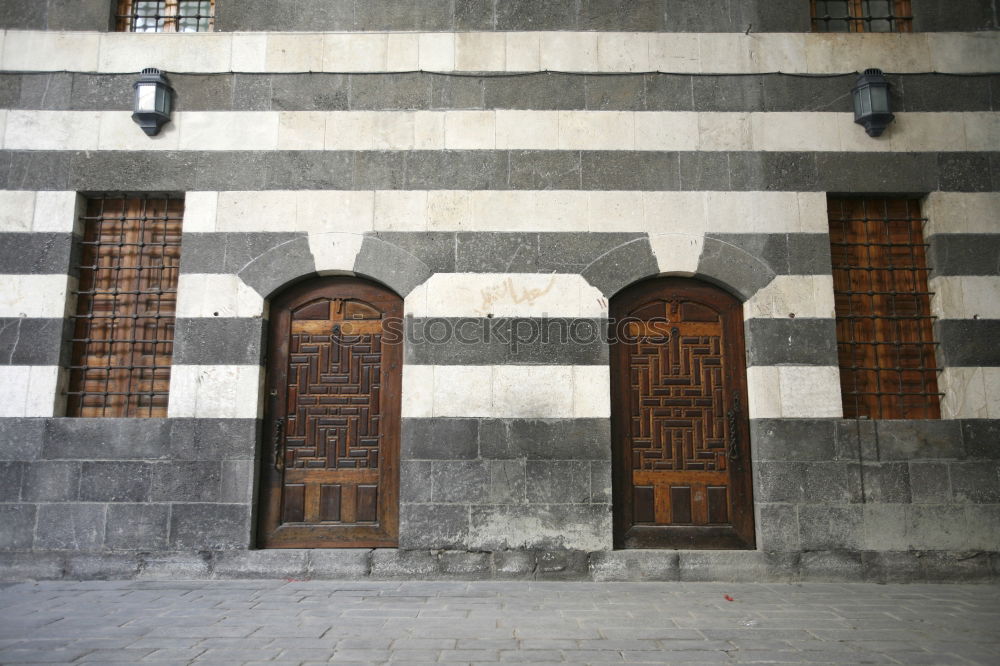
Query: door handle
(734, 436)
(279, 425)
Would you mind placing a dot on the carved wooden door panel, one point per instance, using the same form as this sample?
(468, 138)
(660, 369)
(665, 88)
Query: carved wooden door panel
(330, 475)
(680, 427)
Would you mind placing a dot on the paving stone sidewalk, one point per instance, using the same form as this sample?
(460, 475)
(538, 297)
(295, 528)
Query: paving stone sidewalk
(306, 622)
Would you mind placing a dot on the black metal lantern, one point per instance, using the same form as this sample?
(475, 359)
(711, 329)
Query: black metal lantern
(871, 102)
(152, 101)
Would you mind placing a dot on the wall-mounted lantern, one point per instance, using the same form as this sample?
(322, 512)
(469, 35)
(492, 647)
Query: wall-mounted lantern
(152, 101)
(871, 102)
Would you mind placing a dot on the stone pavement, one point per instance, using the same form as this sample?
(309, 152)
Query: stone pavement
(305, 622)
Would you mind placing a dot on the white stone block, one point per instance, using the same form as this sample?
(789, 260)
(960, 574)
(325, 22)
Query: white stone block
(982, 130)
(266, 210)
(832, 53)
(965, 395)
(813, 216)
(215, 391)
(561, 210)
(28, 390)
(527, 130)
(249, 52)
(568, 51)
(200, 211)
(119, 132)
(854, 138)
(724, 131)
(43, 296)
(805, 296)
(402, 52)
(962, 52)
(335, 252)
(623, 52)
(229, 130)
(301, 130)
(810, 392)
(991, 379)
(393, 130)
(795, 131)
(962, 213)
(216, 295)
(349, 211)
(966, 296)
(355, 52)
(3, 122)
(51, 51)
(17, 210)
(469, 130)
(510, 295)
(437, 51)
(502, 210)
(480, 51)
(533, 391)
(449, 210)
(674, 212)
(677, 253)
(127, 52)
(51, 130)
(59, 212)
(726, 52)
(596, 130)
(927, 132)
(615, 211)
(674, 52)
(659, 130)
(463, 390)
(523, 52)
(428, 130)
(779, 52)
(400, 210)
(591, 391)
(294, 52)
(752, 212)
(418, 391)
(764, 392)
(350, 130)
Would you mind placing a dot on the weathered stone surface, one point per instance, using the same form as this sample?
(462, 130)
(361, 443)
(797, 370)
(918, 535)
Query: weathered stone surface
(622, 565)
(30, 566)
(433, 525)
(561, 565)
(76, 527)
(540, 526)
(909, 440)
(736, 565)
(440, 438)
(137, 527)
(552, 439)
(255, 564)
(103, 566)
(20, 438)
(391, 265)
(346, 563)
(17, 526)
(175, 566)
(109, 481)
(186, 482)
(209, 526)
(392, 563)
(462, 564)
(792, 439)
(51, 481)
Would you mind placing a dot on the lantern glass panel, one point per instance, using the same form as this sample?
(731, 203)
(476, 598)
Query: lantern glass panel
(146, 97)
(879, 99)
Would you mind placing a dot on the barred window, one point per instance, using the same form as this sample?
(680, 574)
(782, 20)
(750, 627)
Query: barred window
(861, 16)
(123, 329)
(165, 16)
(885, 338)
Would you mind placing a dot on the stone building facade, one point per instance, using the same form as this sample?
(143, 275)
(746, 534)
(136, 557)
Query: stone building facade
(499, 165)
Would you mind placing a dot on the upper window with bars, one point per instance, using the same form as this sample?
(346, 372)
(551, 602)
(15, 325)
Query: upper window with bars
(885, 336)
(165, 16)
(861, 16)
(123, 330)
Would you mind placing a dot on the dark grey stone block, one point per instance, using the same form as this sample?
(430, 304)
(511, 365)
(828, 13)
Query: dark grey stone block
(738, 270)
(937, 92)
(145, 171)
(47, 91)
(540, 91)
(213, 439)
(285, 15)
(558, 481)
(10, 90)
(791, 172)
(830, 527)
(791, 342)
(115, 482)
(496, 252)
(17, 526)
(562, 565)
(456, 170)
(196, 92)
(209, 526)
(102, 92)
(779, 527)
(513, 564)
(436, 249)
(704, 171)
(964, 172)
(11, 474)
(634, 565)
(626, 92)
(622, 15)
(137, 526)
(31, 566)
(727, 93)
(35, 253)
(440, 438)
(474, 15)
(832, 564)
(796, 93)
(336, 564)
(228, 252)
(35, 169)
(969, 342)
(622, 266)
(936, 527)
(669, 92)
(856, 440)
(51, 481)
(809, 254)
(600, 482)
(432, 526)
(531, 15)
(460, 481)
(535, 170)
(630, 170)
(391, 265)
(253, 92)
(546, 439)
(965, 254)
(308, 170)
(737, 565)
(463, 92)
(106, 439)
(507, 482)
(981, 438)
(953, 15)
(886, 483)
(703, 16)
(779, 16)
(779, 481)
(976, 482)
(462, 564)
(393, 563)
(25, 341)
(186, 481)
(956, 567)
(427, 15)
(415, 481)
(557, 527)
(573, 252)
(278, 267)
(793, 439)
(20, 438)
(238, 478)
(70, 527)
(174, 566)
(101, 566)
(218, 341)
(390, 91)
(910, 440)
(79, 15)
(929, 482)
(23, 15)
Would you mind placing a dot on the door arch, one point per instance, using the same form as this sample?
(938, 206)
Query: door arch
(680, 427)
(330, 459)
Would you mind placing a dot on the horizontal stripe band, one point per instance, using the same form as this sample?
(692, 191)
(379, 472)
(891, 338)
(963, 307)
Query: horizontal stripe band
(28, 390)
(28, 341)
(966, 254)
(500, 52)
(969, 342)
(970, 393)
(313, 91)
(499, 170)
(505, 439)
(965, 296)
(499, 130)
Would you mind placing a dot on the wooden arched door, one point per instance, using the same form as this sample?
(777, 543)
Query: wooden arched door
(330, 474)
(681, 459)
